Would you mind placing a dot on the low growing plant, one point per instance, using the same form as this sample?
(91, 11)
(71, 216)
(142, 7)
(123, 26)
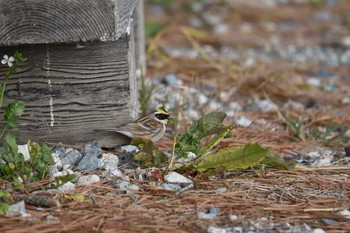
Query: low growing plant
(209, 161)
(13, 166)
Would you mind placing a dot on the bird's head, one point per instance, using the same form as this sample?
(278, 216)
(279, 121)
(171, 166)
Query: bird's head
(162, 115)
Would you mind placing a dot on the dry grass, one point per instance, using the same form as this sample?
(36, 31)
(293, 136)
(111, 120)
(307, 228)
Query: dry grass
(294, 197)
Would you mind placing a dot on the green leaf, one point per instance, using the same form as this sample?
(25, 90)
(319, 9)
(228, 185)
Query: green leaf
(4, 207)
(207, 125)
(152, 29)
(275, 160)
(233, 158)
(61, 180)
(12, 112)
(214, 142)
(149, 154)
(11, 144)
(4, 194)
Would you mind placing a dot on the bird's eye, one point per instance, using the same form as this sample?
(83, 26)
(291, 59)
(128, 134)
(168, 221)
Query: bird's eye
(162, 116)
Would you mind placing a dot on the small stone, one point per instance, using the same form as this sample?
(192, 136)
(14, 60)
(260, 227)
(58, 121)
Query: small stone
(329, 221)
(324, 73)
(171, 79)
(109, 159)
(63, 173)
(67, 187)
(91, 149)
(315, 82)
(323, 158)
(324, 16)
(214, 210)
(234, 217)
(130, 149)
(53, 170)
(202, 215)
(18, 209)
(71, 157)
(126, 186)
(174, 177)
(59, 150)
(346, 100)
(243, 121)
(195, 22)
(212, 229)
(56, 159)
(221, 28)
(88, 163)
(265, 105)
(346, 41)
(88, 179)
(24, 150)
(221, 190)
(171, 187)
(345, 213)
(318, 230)
(52, 219)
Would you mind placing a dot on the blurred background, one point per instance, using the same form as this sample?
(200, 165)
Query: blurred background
(280, 67)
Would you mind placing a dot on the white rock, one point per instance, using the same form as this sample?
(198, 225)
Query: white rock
(212, 229)
(346, 41)
(315, 82)
(109, 159)
(130, 149)
(174, 177)
(18, 209)
(67, 187)
(171, 187)
(243, 121)
(323, 158)
(318, 230)
(233, 217)
(24, 150)
(345, 213)
(52, 219)
(203, 215)
(221, 190)
(88, 179)
(57, 160)
(265, 105)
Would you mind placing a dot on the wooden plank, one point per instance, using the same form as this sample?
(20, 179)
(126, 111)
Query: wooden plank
(72, 89)
(139, 30)
(54, 21)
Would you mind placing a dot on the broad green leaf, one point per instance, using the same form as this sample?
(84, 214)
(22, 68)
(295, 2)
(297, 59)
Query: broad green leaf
(149, 154)
(233, 158)
(214, 142)
(275, 160)
(207, 125)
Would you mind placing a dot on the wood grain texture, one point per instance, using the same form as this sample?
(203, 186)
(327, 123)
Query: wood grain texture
(72, 89)
(55, 21)
(139, 31)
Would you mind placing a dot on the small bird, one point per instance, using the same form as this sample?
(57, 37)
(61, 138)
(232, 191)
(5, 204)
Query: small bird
(152, 126)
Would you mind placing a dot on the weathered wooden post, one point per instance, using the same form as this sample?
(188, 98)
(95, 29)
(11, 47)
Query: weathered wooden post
(80, 74)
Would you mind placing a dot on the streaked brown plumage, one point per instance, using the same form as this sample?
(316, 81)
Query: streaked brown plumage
(152, 126)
